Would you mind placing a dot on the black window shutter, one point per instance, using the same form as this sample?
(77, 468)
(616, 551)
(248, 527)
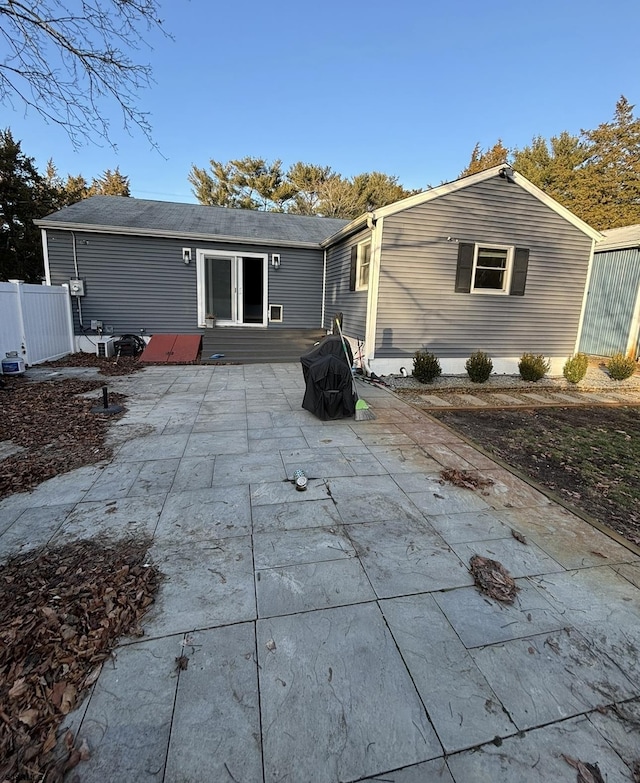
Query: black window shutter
(520, 267)
(465, 267)
(354, 267)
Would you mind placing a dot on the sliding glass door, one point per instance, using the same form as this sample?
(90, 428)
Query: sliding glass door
(233, 288)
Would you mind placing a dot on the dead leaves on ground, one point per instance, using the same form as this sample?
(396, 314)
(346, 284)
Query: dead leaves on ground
(123, 365)
(493, 579)
(468, 479)
(587, 773)
(61, 613)
(54, 426)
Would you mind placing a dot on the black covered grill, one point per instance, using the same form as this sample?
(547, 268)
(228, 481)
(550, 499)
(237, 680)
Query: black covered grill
(328, 379)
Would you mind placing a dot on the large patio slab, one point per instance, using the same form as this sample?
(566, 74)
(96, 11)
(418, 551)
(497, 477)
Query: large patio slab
(559, 675)
(128, 720)
(461, 703)
(205, 585)
(540, 757)
(366, 716)
(405, 556)
(217, 709)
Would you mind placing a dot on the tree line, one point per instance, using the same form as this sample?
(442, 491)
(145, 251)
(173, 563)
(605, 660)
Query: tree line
(26, 195)
(595, 174)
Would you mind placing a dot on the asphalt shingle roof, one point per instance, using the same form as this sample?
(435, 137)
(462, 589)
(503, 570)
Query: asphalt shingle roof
(174, 218)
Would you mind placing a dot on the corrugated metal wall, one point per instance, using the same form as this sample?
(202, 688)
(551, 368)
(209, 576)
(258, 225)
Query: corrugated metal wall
(417, 305)
(34, 320)
(135, 283)
(338, 297)
(609, 322)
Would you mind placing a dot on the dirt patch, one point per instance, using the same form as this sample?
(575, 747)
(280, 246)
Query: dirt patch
(53, 427)
(62, 612)
(590, 456)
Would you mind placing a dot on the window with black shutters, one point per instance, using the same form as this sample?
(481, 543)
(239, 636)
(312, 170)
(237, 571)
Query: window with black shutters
(491, 269)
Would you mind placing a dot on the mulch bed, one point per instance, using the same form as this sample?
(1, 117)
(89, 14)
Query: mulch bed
(54, 426)
(62, 612)
(123, 365)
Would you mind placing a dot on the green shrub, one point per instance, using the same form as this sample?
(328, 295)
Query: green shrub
(621, 367)
(575, 368)
(533, 366)
(479, 366)
(426, 367)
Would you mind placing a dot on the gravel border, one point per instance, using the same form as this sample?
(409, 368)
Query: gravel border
(596, 379)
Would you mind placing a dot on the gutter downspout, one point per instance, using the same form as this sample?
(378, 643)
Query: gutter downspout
(376, 226)
(584, 297)
(324, 287)
(45, 255)
(632, 339)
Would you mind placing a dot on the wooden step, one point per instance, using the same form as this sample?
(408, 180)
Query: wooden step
(251, 346)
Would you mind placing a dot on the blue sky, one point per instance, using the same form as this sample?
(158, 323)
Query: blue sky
(405, 87)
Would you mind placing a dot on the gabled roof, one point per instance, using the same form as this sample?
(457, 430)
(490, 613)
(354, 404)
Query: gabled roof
(122, 215)
(503, 171)
(620, 238)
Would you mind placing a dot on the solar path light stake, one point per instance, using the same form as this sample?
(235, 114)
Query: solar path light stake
(105, 407)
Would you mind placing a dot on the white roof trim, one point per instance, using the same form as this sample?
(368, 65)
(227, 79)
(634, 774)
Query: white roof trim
(157, 232)
(553, 204)
(459, 184)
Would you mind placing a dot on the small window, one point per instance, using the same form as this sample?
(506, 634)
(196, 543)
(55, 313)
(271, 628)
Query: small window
(275, 313)
(491, 271)
(364, 262)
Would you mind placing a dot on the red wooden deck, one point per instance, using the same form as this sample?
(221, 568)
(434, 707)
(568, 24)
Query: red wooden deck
(172, 349)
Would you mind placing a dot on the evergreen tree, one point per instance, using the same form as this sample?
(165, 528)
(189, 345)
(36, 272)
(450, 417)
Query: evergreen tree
(215, 189)
(111, 183)
(595, 175)
(24, 197)
(68, 191)
(555, 169)
(485, 159)
(307, 181)
(305, 189)
(609, 192)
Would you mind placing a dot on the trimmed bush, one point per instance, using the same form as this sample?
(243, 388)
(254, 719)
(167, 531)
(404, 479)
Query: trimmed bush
(621, 367)
(575, 368)
(479, 367)
(533, 366)
(426, 367)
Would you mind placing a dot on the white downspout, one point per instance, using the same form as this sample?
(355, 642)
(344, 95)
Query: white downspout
(45, 256)
(376, 226)
(584, 296)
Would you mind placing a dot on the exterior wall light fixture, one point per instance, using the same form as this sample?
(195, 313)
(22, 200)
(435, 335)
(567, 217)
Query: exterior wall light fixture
(186, 255)
(275, 260)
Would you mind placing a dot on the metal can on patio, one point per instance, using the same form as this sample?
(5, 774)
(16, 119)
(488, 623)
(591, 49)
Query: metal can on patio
(300, 480)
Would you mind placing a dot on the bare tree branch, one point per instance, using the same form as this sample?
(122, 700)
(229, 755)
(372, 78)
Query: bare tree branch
(65, 58)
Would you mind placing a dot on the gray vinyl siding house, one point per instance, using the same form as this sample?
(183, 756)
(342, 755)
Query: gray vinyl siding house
(149, 265)
(488, 262)
(612, 308)
(425, 263)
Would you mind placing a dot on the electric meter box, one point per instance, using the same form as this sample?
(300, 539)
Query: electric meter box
(76, 287)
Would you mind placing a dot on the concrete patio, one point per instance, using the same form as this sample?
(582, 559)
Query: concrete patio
(335, 634)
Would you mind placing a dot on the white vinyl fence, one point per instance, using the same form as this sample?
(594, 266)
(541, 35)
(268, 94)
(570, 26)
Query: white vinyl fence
(35, 321)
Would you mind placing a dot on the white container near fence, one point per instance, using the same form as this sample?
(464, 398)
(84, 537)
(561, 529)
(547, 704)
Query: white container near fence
(12, 364)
